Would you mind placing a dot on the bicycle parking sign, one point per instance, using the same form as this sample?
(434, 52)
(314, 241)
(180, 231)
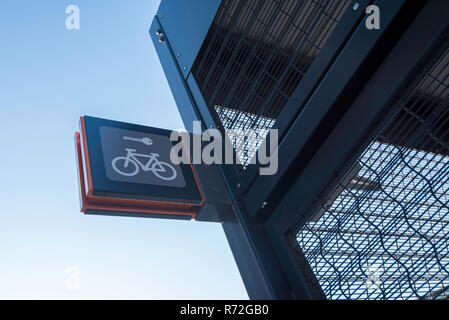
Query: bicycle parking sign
(139, 157)
(125, 169)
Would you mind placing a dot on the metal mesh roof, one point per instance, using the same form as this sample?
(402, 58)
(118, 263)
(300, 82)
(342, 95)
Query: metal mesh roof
(255, 55)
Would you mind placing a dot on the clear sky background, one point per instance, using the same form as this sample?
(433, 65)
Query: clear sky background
(49, 77)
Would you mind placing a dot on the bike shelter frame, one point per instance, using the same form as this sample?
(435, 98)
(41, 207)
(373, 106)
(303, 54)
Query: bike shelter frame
(352, 84)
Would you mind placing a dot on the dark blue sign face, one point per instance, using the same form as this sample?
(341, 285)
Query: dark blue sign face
(139, 157)
(133, 161)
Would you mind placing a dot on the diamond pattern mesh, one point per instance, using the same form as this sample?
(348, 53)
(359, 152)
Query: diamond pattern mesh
(383, 233)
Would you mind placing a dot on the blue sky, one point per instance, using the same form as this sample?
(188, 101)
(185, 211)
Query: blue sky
(49, 77)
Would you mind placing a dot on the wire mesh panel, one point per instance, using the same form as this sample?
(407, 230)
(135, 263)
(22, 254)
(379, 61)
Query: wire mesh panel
(255, 55)
(383, 232)
(246, 142)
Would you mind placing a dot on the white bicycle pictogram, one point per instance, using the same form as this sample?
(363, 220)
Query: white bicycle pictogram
(130, 165)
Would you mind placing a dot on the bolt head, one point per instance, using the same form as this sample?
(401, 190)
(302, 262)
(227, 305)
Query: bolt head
(161, 39)
(356, 6)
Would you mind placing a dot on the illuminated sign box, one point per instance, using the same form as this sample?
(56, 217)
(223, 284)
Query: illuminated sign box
(125, 169)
